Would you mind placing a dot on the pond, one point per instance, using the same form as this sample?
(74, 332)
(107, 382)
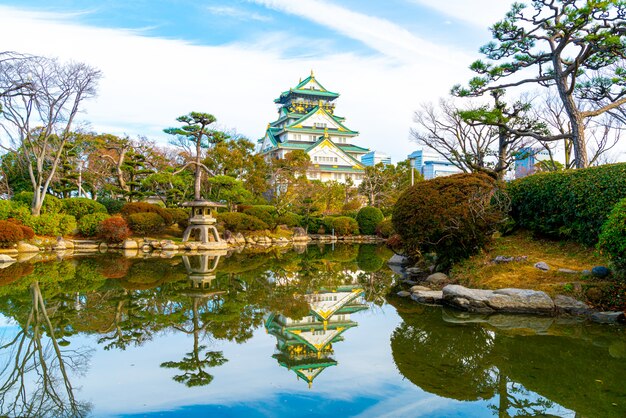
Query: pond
(275, 333)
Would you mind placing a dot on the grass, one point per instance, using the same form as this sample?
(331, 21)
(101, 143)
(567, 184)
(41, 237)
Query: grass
(480, 272)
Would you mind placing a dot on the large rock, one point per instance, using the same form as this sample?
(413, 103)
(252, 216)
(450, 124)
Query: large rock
(170, 246)
(502, 300)
(398, 260)
(473, 300)
(600, 272)
(542, 265)
(428, 296)
(438, 279)
(24, 247)
(6, 259)
(130, 244)
(569, 305)
(607, 317)
(418, 288)
(521, 300)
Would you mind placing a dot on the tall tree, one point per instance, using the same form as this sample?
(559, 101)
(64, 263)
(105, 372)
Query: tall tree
(196, 128)
(38, 115)
(577, 46)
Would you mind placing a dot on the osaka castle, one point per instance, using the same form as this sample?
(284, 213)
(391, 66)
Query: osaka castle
(307, 121)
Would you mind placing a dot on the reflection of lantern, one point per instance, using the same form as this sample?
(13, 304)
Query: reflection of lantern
(202, 223)
(201, 268)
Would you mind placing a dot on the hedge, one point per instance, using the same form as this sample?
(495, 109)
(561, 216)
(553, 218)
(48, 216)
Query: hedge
(145, 222)
(238, 222)
(13, 209)
(612, 241)
(341, 225)
(368, 218)
(88, 225)
(114, 206)
(453, 217)
(265, 213)
(569, 204)
(81, 206)
(52, 224)
(289, 219)
(143, 207)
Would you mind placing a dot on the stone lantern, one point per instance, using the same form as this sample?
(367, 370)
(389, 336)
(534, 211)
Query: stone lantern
(202, 223)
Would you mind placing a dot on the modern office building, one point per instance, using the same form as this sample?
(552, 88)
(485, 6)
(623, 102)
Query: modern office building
(525, 164)
(375, 157)
(431, 164)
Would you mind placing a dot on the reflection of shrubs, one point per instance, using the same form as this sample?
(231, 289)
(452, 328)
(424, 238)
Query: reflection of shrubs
(14, 272)
(613, 237)
(145, 222)
(81, 206)
(342, 225)
(290, 219)
(368, 259)
(238, 222)
(265, 213)
(143, 207)
(112, 267)
(10, 233)
(453, 216)
(88, 225)
(52, 224)
(368, 218)
(114, 229)
(385, 228)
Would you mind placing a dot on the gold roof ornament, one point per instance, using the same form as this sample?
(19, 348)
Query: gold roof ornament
(312, 75)
(326, 133)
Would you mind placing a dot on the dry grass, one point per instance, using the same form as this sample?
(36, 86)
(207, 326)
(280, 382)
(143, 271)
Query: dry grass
(480, 272)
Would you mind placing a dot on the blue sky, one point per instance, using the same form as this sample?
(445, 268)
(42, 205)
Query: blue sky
(161, 59)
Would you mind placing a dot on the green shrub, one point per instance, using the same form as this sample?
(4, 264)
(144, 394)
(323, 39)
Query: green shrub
(10, 233)
(238, 222)
(114, 206)
(143, 207)
(81, 206)
(453, 216)
(613, 237)
(290, 219)
(88, 224)
(178, 215)
(52, 224)
(314, 225)
(51, 204)
(341, 225)
(114, 229)
(144, 223)
(385, 228)
(570, 204)
(265, 213)
(368, 218)
(13, 209)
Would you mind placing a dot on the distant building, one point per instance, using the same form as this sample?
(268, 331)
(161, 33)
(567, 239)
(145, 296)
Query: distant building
(374, 157)
(431, 164)
(525, 164)
(307, 121)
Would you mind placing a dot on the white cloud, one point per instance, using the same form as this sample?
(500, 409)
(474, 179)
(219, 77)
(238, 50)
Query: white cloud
(483, 13)
(379, 34)
(148, 82)
(236, 13)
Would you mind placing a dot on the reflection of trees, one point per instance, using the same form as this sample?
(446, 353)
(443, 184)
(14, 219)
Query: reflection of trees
(40, 360)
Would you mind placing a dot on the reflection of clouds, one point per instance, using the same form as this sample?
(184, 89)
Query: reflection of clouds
(131, 381)
(7, 322)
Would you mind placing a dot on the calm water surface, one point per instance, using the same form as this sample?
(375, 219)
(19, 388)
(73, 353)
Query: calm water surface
(282, 333)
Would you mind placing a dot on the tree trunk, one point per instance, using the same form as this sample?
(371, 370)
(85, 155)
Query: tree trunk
(198, 179)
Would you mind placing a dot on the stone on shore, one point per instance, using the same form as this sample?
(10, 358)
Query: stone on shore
(438, 279)
(398, 260)
(6, 259)
(404, 294)
(569, 305)
(502, 300)
(600, 272)
(428, 296)
(568, 271)
(608, 317)
(24, 247)
(473, 300)
(130, 244)
(418, 288)
(542, 265)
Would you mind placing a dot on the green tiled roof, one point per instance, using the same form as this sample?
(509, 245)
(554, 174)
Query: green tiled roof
(353, 148)
(314, 111)
(339, 168)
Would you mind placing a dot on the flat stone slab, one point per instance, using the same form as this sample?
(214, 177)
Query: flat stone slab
(569, 305)
(403, 294)
(417, 288)
(607, 317)
(502, 300)
(428, 296)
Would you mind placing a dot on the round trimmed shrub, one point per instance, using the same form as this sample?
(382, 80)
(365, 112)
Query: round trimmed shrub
(265, 213)
(114, 229)
(453, 217)
(179, 215)
(88, 224)
(13, 210)
(385, 228)
(313, 225)
(342, 225)
(26, 230)
(51, 204)
(143, 207)
(613, 237)
(290, 219)
(81, 206)
(238, 222)
(52, 224)
(10, 233)
(368, 218)
(145, 222)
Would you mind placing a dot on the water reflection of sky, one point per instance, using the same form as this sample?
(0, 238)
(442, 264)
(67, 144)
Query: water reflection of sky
(364, 383)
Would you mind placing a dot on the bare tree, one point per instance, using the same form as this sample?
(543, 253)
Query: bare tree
(38, 115)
